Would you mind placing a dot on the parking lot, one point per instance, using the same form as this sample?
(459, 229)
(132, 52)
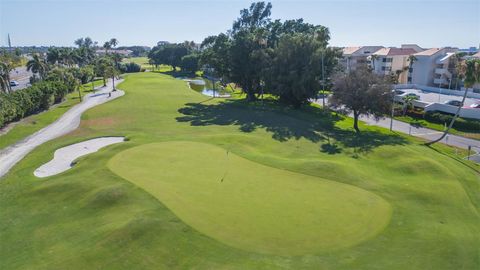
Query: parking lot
(429, 97)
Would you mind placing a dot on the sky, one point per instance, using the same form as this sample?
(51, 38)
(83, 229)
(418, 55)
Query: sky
(428, 23)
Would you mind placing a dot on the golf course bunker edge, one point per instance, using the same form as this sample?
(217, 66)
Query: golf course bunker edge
(251, 206)
(64, 157)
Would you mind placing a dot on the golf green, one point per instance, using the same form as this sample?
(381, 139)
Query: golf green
(252, 206)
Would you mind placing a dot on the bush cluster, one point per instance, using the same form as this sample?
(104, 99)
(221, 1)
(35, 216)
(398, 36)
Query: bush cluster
(24, 102)
(130, 67)
(463, 124)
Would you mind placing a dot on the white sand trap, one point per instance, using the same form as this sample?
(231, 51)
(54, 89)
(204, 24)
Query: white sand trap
(63, 157)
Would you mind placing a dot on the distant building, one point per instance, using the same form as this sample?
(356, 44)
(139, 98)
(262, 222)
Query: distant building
(434, 67)
(413, 46)
(355, 56)
(388, 61)
(111, 51)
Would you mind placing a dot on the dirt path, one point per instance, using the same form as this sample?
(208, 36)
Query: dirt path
(65, 124)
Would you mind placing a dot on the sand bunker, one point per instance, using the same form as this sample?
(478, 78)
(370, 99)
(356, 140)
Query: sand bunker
(64, 156)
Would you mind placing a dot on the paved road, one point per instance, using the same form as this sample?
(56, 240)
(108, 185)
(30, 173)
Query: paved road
(68, 122)
(22, 76)
(425, 133)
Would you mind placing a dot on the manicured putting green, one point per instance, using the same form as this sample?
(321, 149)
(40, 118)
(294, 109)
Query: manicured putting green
(251, 206)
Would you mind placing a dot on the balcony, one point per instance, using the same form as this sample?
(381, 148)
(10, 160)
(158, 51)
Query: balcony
(440, 81)
(440, 71)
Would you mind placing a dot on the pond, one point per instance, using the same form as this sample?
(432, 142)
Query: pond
(206, 88)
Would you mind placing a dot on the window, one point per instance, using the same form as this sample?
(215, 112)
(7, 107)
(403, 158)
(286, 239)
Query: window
(387, 68)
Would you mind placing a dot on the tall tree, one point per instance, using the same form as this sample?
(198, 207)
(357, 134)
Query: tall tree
(470, 69)
(37, 65)
(53, 55)
(373, 58)
(249, 41)
(362, 92)
(107, 46)
(113, 42)
(294, 68)
(215, 56)
(5, 69)
(411, 59)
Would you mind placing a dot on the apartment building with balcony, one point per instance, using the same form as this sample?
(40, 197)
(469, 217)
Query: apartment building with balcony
(387, 61)
(434, 67)
(355, 56)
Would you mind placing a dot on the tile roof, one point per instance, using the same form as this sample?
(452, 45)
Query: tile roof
(395, 51)
(428, 52)
(350, 50)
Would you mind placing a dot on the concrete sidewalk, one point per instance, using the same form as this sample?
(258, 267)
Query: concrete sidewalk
(68, 122)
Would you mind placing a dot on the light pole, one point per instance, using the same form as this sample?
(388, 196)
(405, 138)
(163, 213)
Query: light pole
(393, 110)
(262, 86)
(323, 81)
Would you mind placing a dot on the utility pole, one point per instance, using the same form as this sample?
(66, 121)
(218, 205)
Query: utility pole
(323, 81)
(9, 42)
(393, 110)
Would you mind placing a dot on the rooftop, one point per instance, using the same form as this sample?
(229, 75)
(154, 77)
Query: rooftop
(350, 50)
(395, 51)
(428, 52)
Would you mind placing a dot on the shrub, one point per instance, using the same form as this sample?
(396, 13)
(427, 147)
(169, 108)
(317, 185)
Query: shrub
(130, 67)
(463, 124)
(33, 99)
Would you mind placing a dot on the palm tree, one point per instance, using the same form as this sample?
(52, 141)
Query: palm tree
(107, 46)
(411, 59)
(373, 57)
(113, 42)
(4, 80)
(5, 68)
(53, 55)
(37, 65)
(117, 58)
(470, 69)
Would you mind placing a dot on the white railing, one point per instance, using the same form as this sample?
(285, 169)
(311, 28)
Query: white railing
(470, 92)
(464, 112)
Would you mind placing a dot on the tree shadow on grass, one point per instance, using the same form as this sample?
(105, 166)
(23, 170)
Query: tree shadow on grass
(311, 123)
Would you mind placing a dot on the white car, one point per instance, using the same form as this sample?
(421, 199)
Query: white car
(14, 83)
(475, 106)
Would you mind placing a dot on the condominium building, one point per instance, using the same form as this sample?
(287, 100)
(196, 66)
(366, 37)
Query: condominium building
(433, 67)
(355, 56)
(392, 61)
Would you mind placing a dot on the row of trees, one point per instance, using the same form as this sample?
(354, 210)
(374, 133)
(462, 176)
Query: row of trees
(183, 55)
(290, 59)
(60, 71)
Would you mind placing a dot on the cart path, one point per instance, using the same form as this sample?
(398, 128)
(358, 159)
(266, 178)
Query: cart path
(68, 122)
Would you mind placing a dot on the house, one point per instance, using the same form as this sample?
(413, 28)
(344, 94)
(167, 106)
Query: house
(387, 61)
(112, 51)
(433, 67)
(354, 56)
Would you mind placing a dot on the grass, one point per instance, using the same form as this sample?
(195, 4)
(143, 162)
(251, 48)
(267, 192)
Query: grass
(224, 196)
(34, 123)
(436, 126)
(92, 218)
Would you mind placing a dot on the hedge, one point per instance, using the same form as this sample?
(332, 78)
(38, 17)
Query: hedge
(38, 97)
(463, 124)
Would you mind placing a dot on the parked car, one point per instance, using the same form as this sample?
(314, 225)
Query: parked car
(453, 102)
(475, 105)
(14, 83)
